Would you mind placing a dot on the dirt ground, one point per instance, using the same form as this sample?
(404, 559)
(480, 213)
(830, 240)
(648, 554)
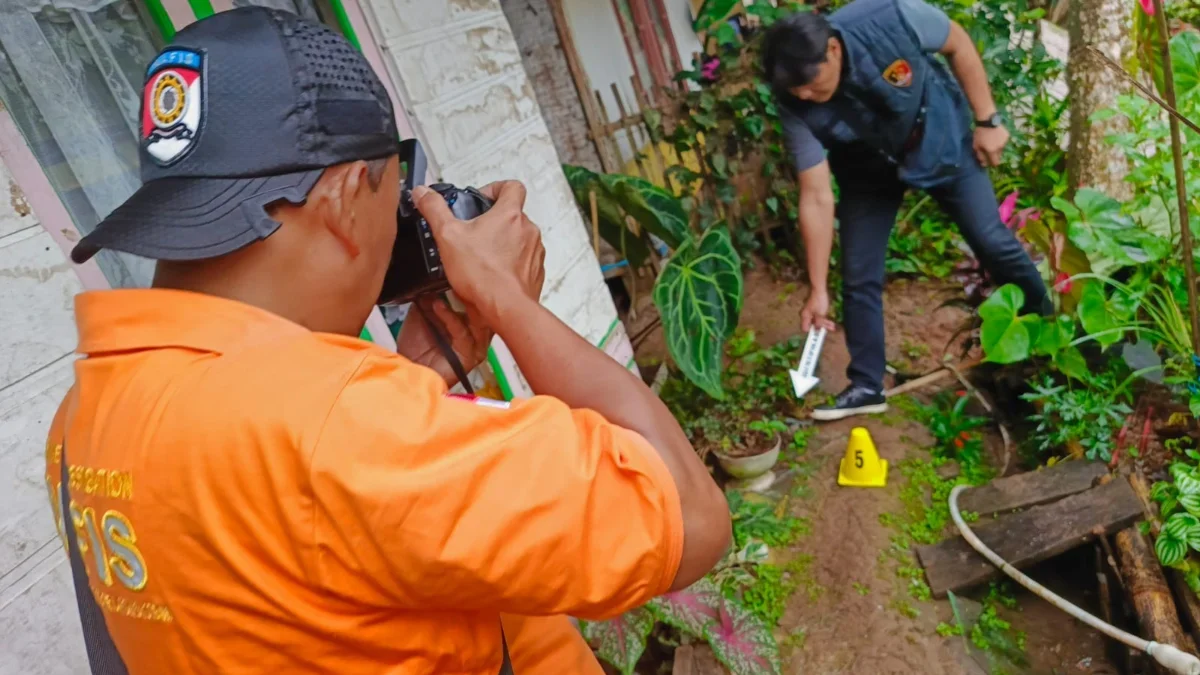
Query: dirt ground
(854, 612)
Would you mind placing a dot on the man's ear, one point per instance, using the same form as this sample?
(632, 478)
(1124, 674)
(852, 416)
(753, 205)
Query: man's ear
(344, 193)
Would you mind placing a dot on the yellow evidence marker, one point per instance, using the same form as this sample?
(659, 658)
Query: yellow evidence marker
(861, 466)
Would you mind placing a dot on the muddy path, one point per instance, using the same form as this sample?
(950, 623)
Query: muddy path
(854, 610)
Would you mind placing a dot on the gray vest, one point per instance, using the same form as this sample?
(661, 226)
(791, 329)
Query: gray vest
(893, 97)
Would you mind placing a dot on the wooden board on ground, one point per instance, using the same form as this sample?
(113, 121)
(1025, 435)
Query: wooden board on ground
(1032, 488)
(1030, 536)
(697, 659)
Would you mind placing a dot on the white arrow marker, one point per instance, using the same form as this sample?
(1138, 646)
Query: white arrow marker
(804, 377)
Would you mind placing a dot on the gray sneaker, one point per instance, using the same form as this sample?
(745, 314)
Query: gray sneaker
(854, 400)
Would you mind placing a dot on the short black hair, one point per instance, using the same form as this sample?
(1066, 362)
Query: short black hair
(794, 48)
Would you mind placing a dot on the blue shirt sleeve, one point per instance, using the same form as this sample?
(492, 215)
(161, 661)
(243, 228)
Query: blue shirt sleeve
(802, 145)
(928, 23)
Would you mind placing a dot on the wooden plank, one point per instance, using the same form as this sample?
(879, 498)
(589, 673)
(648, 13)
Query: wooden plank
(1032, 488)
(1030, 536)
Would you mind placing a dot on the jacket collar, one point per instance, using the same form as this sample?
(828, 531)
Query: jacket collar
(136, 319)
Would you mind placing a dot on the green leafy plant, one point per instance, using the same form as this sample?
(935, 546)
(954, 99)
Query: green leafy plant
(699, 291)
(759, 395)
(1179, 506)
(1089, 416)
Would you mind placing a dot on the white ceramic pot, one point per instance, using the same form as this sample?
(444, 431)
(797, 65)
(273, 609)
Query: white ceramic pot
(752, 466)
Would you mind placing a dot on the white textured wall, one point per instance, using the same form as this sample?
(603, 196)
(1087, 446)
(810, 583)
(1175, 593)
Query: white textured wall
(39, 628)
(466, 91)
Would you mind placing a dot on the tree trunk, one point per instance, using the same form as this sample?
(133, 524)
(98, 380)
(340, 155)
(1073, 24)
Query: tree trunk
(1105, 25)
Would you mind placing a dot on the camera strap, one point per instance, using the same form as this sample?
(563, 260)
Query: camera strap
(103, 657)
(443, 343)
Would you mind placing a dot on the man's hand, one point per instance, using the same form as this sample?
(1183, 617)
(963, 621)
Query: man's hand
(468, 336)
(816, 311)
(491, 258)
(989, 144)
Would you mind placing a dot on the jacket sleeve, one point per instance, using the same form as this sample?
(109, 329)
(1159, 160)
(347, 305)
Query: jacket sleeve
(449, 503)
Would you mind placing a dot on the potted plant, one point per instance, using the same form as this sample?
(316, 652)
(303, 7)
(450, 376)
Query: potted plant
(745, 429)
(757, 453)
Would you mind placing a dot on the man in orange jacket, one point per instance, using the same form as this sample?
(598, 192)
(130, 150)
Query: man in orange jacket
(255, 490)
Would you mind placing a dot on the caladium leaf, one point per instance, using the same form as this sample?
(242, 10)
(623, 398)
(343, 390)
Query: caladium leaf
(692, 609)
(655, 209)
(1096, 225)
(1005, 336)
(621, 641)
(699, 295)
(608, 209)
(742, 642)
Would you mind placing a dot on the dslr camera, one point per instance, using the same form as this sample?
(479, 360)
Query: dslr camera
(416, 269)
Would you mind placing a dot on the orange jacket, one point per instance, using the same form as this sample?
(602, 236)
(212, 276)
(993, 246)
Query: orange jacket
(258, 498)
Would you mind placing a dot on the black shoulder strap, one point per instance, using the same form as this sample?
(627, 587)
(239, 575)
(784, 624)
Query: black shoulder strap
(102, 652)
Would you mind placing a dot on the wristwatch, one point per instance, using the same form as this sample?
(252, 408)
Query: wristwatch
(995, 120)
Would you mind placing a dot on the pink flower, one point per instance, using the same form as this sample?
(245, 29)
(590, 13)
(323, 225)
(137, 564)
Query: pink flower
(1007, 207)
(1147, 6)
(1062, 282)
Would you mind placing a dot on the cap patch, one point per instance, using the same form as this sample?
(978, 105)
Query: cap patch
(899, 74)
(172, 105)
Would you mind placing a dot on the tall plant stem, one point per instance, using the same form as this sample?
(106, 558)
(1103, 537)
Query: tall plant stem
(1185, 230)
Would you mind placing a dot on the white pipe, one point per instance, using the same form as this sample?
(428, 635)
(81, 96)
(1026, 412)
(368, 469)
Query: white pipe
(1169, 657)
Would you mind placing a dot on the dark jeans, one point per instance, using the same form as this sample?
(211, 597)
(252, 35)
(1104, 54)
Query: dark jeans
(870, 195)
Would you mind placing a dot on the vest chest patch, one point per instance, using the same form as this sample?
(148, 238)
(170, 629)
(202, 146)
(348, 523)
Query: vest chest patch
(899, 74)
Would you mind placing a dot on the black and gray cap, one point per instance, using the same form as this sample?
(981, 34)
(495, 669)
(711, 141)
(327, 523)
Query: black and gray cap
(245, 108)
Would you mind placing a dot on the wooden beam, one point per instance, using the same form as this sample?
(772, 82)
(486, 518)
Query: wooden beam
(1032, 488)
(1148, 590)
(583, 87)
(651, 45)
(1030, 536)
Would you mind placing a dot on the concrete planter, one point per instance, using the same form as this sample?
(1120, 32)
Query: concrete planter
(752, 466)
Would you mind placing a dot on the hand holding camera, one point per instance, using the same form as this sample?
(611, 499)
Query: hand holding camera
(493, 258)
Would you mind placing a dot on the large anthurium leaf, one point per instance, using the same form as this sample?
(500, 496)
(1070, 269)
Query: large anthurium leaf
(612, 221)
(621, 641)
(742, 642)
(711, 12)
(1006, 337)
(1055, 335)
(652, 207)
(1100, 317)
(699, 296)
(691, 609)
